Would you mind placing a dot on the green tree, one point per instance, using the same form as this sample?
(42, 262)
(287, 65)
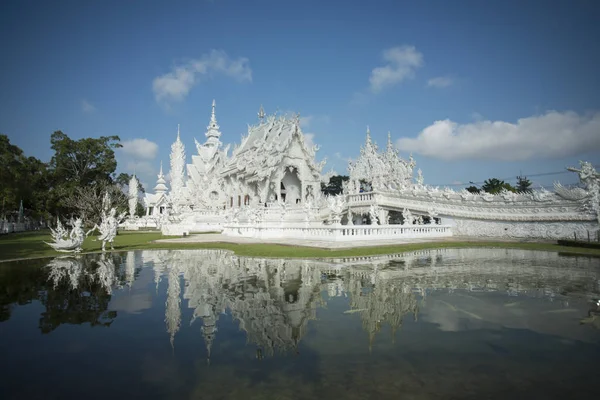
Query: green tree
(473, 189)
(495, 186)
(523, 184)
(335, 185)
(83, 163)
(21, 178)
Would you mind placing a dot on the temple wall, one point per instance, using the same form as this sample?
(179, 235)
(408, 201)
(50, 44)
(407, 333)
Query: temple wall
(521, 230)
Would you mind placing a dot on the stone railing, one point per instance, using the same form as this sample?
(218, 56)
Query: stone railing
(339, 232)
(360, 198)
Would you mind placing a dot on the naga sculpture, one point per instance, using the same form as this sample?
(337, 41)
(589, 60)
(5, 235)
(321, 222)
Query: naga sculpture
(65, 241)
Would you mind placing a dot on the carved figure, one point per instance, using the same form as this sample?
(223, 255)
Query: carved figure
(68, 243)
(591, 179)
(408, 218)
(373, 214)
(336, 205)
(108, 227)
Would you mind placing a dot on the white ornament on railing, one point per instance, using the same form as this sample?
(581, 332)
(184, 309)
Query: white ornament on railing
(408, 218)
(336, 205)
(373, 213)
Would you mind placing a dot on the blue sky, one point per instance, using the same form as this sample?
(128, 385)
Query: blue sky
(475, 89)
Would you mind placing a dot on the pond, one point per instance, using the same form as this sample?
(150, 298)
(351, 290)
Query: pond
(172, 324)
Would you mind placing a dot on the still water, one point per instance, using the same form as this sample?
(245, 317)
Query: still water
(440, 324)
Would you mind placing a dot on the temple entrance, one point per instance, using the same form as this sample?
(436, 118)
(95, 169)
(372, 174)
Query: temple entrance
(292, 186)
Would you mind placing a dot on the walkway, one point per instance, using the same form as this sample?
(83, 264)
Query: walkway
(218, 238)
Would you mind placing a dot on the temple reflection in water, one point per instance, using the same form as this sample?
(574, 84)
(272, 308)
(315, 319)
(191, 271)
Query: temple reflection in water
(273, 300)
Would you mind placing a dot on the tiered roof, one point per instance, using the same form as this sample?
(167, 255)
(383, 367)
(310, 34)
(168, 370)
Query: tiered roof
(266, 145)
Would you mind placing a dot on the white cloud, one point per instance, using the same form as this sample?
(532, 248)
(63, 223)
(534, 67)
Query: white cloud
(551, 135)
(175, 85)
(87, 107)
(401, 64)
(440, 82)
(141, 149)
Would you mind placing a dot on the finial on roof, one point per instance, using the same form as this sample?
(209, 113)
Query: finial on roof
(213, 118)
(160, 173)
(178, 132)
(261, 113)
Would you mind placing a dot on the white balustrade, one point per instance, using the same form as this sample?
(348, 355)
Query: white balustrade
(339, 232)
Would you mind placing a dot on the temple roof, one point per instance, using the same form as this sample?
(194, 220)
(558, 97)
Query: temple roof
(161, 186)
(266, 145)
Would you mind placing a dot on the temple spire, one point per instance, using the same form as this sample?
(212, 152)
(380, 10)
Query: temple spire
(390, 146)
(178, 133)
(213, 117)
(368, 134)
(212, 133)
(261, 113)
(160, 182)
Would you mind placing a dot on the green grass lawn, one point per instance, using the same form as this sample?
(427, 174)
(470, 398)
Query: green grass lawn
(31, 245)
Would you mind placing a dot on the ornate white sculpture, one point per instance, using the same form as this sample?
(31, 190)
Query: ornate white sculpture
(109, 224)
(591, 180)
(419, 178)
(133, 196)
(68, 242)
(408, 217)
(374, 215)
(177, 172)
(336, 206)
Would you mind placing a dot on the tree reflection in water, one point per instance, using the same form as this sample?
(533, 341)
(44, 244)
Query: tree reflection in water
(274, 300)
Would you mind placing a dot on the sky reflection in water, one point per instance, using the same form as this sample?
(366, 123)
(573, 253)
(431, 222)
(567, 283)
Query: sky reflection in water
(454, 323)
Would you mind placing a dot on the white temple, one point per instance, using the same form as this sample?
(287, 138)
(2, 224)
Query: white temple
(269, 186)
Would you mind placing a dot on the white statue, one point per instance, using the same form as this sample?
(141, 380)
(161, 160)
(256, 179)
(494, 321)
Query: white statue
(68, 243)
(373, 214)
(408, 218)
(336, 205)
(108, 227)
